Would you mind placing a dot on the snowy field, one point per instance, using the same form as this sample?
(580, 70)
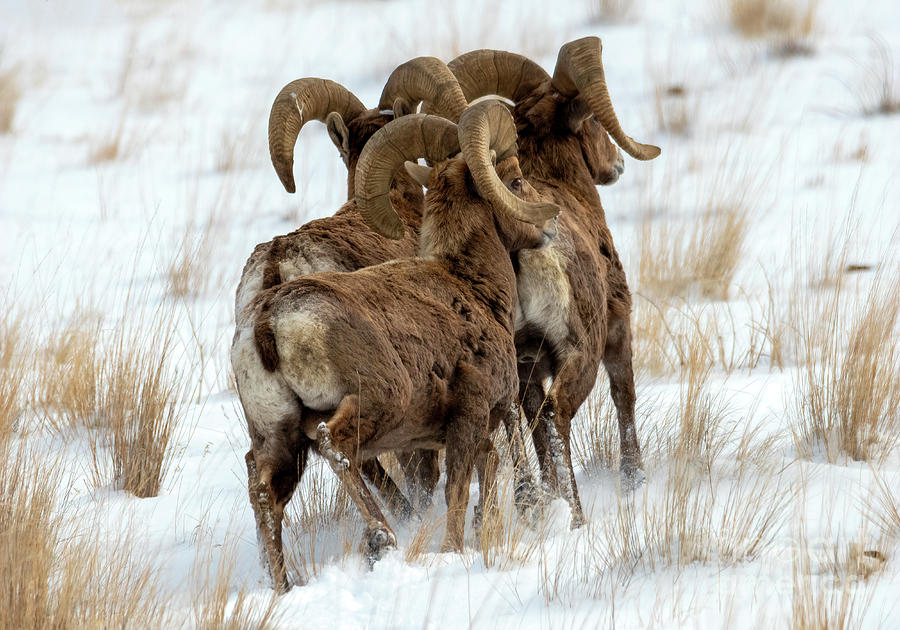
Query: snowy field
(762, 248)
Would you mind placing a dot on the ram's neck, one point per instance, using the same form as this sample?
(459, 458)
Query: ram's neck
(475, 254)
(557, 162)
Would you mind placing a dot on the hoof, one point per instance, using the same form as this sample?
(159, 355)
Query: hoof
(529, 503)
(632, 478)
(281, 584)
(376, 542)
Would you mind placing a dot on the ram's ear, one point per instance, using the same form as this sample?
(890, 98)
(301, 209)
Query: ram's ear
(339, 134)
(418, 172)
(402, 107)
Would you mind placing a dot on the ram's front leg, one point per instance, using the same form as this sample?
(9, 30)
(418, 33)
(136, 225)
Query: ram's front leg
(378, 536)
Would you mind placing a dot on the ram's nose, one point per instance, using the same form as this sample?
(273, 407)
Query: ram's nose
(551, 229)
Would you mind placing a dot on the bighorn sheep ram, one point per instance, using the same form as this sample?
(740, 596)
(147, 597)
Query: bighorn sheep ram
(413, 353)
(343, 242)
(574, 301)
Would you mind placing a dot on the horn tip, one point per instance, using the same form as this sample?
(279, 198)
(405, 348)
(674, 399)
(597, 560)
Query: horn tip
(287, 180)
(650, 152)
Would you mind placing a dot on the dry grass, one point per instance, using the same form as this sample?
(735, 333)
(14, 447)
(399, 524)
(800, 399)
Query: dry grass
(62, 581)
(790, 25)
(716, 519)
(595, 441)
(722, 500)
(188, 275)
(679, 256)
(10, 93)
(879, 94)
(322, 522)
(115, 144)
(214, 606)
(15, 350)
(141, 401)
(123, 387)
(743, 335)
(853, 151)
(884, 508)
(67, 380)
(833, 589)
(847, 394)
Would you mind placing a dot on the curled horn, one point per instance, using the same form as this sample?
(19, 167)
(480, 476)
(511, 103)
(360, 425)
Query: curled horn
(425, 79)
(505, 74)
(407, 138)
(485, 127)
(579, 73)
(299, 102)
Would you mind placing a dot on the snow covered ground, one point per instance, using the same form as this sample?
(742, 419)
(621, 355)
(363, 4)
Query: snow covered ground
(137, 160)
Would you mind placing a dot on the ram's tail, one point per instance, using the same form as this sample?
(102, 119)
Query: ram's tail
(264, 335)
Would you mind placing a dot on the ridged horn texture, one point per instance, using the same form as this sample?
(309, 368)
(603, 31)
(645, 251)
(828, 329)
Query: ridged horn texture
(579, 73)
(408, 138)
(505, 74)
(425, 79)
(297, 103)
(488, 126)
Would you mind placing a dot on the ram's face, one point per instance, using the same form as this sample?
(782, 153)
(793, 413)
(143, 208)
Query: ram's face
(523, 235)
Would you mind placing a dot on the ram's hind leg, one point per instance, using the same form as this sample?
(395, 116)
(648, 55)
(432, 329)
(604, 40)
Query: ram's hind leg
(526, 496)
(532, 397)
(270, 489)
(342, 455)
(617, 361)
(487, 524)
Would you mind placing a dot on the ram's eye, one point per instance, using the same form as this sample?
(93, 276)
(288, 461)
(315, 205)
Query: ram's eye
(516, 185)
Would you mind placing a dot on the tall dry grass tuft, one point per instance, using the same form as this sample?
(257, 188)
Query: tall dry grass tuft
(68, 372)
(847, 401)
(790, 25)
(28, 535)
(10, 93)
(61, 580)
(722, 500)
(505, 539)
(879, 94)
(678, 256)
(15, 351)
(141, 401)
(595, 441)
(122, 385)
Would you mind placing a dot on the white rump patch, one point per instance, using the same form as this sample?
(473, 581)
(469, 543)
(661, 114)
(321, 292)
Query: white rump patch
(300, 337)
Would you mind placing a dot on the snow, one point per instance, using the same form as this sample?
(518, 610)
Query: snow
(188, 84)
